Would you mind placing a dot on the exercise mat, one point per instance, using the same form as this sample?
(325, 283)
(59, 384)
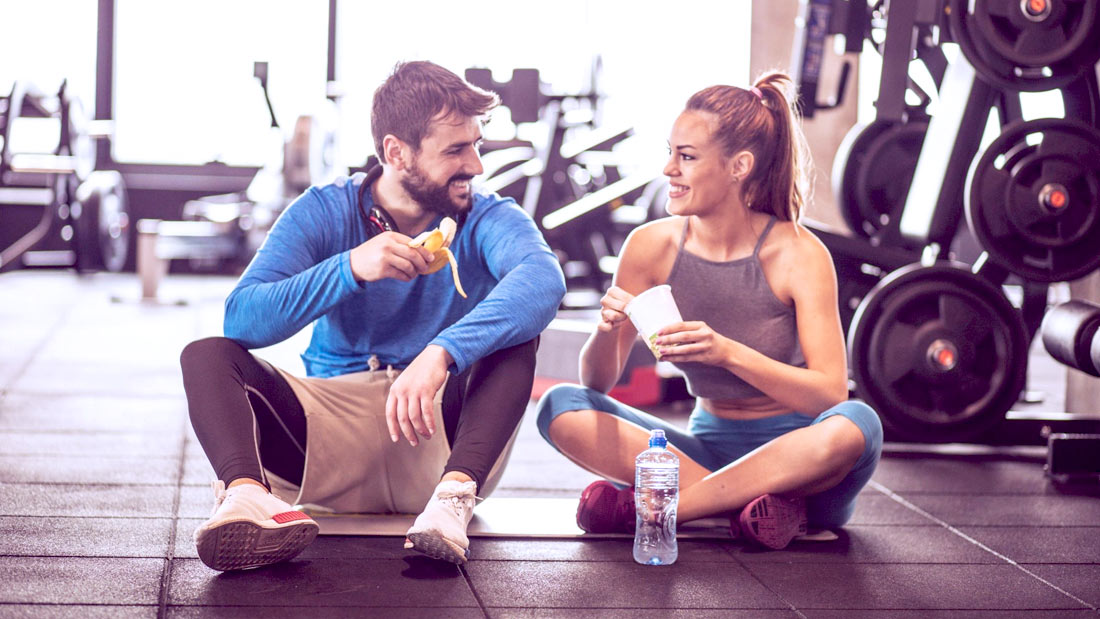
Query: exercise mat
(507, 517)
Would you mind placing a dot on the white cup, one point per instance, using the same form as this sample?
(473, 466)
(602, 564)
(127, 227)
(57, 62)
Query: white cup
(651, 311)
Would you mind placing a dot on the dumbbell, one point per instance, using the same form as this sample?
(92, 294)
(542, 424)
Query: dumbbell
(1071, 334)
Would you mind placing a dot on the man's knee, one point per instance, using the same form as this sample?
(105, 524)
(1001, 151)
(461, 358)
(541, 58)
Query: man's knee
(204, 352)
(523, 350)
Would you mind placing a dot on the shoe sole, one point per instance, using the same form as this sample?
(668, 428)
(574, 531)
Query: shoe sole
(245, 544)
(773, 521)
(436, 546)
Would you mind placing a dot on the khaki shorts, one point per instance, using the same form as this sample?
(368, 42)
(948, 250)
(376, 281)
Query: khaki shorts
(351, 465)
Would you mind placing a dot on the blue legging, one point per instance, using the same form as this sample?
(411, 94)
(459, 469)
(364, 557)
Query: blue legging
(714, 442)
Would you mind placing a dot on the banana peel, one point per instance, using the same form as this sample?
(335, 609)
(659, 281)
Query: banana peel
(438, 242)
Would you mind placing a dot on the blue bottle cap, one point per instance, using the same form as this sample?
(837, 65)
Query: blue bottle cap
(657, 439)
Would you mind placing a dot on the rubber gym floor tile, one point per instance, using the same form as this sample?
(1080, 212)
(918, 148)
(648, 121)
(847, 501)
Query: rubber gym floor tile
(317, 612)
(1041, 544)
(78, 580)
(875, 544)
(86, 501)
(100, 379)
(88, 469)
(570, 584)
(162, 444)
(184, 547)
(943, 475)
(925, 586)
(588, 550)
(415, 581)
(1082, 581)
(1032, 511)
(875, 508)
(638, 613)
(57, 611)
(192, 449)
(331, 547)
(197, 471)
(63, 413)
(196, 501)
(83, 537)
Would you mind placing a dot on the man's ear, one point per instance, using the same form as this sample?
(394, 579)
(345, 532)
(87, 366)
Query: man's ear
(741, 165)
(398, 154)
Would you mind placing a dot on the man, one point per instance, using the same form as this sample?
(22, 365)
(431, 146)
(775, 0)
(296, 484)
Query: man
(398, 356)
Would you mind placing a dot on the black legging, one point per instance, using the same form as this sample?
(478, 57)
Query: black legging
(225, 384)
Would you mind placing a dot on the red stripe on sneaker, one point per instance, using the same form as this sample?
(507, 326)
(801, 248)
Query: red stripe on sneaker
(289, 517)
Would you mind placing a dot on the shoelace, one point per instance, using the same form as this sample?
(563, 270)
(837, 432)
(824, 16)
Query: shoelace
(457, 500)
(219, 493)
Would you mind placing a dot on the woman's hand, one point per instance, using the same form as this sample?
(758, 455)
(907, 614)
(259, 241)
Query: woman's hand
(693, 341)
(613, 309)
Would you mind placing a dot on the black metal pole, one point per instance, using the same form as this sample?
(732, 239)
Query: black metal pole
(104, 74)
(331, 69)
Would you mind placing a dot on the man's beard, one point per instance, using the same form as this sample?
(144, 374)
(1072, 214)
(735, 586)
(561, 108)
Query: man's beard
(433, 197)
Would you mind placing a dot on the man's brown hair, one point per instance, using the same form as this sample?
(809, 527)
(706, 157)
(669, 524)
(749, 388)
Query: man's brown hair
(415, 94)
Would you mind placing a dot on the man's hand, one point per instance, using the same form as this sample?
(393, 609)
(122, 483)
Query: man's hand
(410, 404)
(613, 309)
(388, 255)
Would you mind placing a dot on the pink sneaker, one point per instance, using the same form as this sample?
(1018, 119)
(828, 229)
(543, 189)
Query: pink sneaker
(603, 508)
(773, 521)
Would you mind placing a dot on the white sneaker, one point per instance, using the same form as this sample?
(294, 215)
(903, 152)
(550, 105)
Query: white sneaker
(251, 527)
(440, 530)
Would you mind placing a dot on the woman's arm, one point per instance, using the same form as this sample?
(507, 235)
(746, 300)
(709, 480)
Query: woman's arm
(807, 274)
(605, 353)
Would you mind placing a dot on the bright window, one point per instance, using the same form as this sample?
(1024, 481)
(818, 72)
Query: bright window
(184, 86)
(650, 67)
(46, 41)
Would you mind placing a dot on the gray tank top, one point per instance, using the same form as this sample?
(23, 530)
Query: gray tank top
(735, 300)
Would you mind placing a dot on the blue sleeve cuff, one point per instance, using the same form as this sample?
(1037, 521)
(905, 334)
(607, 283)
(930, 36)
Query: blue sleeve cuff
(460, 361)
(346, 274)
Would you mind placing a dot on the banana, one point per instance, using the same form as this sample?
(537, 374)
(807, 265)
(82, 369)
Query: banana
(438, 242)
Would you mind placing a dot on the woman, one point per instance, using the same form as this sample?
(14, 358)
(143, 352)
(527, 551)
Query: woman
(773, 441)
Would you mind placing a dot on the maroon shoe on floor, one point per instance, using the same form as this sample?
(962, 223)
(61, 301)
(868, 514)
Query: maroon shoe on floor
(606, 509)
(773, 521)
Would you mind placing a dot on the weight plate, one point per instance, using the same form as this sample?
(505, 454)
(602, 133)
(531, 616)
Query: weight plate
(872, 173)
(939, 352)
(103, 226)
(1032, 199)
(1032, 45)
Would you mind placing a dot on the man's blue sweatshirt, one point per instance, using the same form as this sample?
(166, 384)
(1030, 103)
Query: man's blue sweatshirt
(302, 274)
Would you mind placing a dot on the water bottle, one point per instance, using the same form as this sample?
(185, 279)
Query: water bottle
(656, 486)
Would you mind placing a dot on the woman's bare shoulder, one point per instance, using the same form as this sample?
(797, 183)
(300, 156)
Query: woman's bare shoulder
(655, 235)
(648, 252)
(792, 242)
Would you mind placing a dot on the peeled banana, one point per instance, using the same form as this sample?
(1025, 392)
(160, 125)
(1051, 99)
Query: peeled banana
(438, 242)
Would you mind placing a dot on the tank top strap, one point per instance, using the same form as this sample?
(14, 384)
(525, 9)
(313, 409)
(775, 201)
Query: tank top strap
(763, 235)
(684, 233)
